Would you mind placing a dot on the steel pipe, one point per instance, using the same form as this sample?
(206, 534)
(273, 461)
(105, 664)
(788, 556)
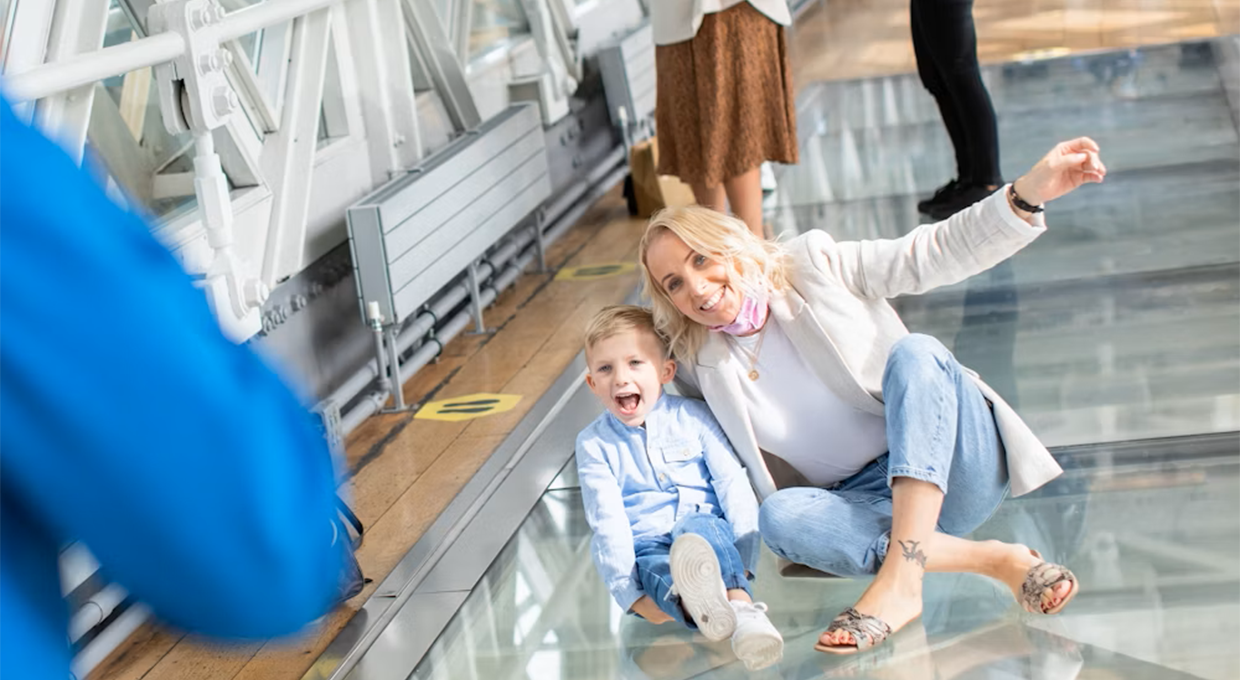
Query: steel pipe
(95, 610)
(374, 401)
(269, 13)
(439, 308)
(83, 69)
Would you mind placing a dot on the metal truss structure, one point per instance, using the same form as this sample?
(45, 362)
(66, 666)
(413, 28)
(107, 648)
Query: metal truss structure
(244, 129)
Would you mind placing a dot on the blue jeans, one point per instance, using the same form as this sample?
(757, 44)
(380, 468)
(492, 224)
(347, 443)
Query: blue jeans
(655, 572)
(939, 430)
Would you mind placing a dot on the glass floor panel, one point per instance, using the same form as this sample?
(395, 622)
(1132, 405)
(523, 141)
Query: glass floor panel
(1117, 336)
(1123, 320)
(1160, 595)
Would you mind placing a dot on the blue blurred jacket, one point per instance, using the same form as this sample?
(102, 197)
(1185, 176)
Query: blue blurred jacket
(129, 422)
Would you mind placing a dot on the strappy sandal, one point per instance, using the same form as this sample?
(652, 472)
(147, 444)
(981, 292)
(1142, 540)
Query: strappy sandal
(867, 631)
(1043, 577)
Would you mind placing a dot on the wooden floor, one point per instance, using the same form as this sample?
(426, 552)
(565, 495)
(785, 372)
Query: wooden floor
(404, 472)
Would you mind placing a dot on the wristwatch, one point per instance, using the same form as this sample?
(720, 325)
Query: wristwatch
(1020, 202)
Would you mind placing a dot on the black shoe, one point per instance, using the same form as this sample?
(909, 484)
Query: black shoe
(963, 197)
(940, 195)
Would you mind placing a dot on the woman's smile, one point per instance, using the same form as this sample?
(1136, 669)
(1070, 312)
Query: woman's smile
(714, 300)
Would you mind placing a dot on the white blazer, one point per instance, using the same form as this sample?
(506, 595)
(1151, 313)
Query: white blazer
(674, 21)
(837, 316)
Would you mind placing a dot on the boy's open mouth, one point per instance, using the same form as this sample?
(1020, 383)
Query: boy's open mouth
(628, 402)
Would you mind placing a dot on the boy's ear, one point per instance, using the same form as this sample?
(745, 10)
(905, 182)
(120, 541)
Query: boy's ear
(589, 380)
(669, 371)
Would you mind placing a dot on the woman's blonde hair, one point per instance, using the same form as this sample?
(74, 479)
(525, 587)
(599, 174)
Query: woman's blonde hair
(754, 266)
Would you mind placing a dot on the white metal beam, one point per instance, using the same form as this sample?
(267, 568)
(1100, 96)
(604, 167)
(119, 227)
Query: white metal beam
(249, 90)
(136, 10)
(25, 83)
(462, 28)
(440, 59)
(132, 166)
(173, 185)
(288, 154)
(27, 43)
(26, 47)
(77, 28)
(334, 118)
(385, 84)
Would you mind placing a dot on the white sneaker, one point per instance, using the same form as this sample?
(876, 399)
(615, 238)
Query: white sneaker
(756, 642)
(698, 580)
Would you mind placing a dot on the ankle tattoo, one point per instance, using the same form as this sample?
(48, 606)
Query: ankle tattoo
(912, 553)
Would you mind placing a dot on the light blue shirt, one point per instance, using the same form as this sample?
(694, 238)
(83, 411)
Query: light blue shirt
(637, 481)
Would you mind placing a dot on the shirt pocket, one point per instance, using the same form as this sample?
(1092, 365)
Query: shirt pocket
(684, 463)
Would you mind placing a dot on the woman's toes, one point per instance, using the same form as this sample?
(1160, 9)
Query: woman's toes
(836, 638)
(1059, 592)
(1053, 596)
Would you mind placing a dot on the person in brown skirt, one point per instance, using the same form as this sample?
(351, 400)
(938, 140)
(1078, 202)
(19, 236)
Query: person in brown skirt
(725, 102)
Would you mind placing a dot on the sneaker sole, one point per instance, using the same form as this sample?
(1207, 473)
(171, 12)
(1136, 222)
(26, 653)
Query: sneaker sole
(699, 580)
(759, 650)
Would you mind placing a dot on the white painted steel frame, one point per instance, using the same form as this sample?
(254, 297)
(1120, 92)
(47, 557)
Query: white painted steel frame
(77, 28)
(384, 135)
(285, 192)
(25, 84)
(293, 145)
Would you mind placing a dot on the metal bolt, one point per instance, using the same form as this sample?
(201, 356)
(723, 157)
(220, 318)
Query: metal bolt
(223, 100)
(226, 57)
(209, 62)
(256, 293)
(198, 18)
(217, 12)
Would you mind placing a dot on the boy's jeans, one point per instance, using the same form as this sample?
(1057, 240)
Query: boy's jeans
(939, 430)
(655, 573)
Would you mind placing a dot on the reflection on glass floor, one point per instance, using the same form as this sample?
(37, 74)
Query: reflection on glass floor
(1117, 335)
(1152, 531)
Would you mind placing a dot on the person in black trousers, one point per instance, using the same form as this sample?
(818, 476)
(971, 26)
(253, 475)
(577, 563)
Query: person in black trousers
(945, 44)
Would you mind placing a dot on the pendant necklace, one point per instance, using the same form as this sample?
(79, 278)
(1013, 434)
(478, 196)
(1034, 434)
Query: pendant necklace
(753, 356)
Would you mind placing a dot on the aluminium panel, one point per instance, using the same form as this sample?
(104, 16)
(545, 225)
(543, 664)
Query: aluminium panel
(638, 42)
(442, 209)
(442, 245)
(406, 195)
(442, 271)
(642, 92)
(639, 66)
(369, 260)
(628, 70)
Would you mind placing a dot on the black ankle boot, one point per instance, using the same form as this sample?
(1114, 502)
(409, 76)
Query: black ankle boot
(941, 194)
(965, 196)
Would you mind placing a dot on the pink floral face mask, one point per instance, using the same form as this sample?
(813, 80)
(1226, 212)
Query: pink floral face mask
(751, 317)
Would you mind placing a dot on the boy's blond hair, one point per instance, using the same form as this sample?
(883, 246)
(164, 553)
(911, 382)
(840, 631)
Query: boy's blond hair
(752, 263)
(615, 319)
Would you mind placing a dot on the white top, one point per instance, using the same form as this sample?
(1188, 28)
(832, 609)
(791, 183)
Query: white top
(674, 21)
(837, 315)
(798, 418)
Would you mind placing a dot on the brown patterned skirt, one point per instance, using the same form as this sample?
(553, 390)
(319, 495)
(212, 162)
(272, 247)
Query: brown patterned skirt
(725, 102)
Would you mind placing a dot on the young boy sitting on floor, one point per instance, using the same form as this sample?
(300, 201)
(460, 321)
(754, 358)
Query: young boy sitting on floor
(675, 520)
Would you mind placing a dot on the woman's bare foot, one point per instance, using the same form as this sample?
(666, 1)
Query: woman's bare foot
(893, 598)
(1012, 567)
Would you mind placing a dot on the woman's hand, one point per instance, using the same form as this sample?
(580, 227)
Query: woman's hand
(647, 609)
(1066, 167)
